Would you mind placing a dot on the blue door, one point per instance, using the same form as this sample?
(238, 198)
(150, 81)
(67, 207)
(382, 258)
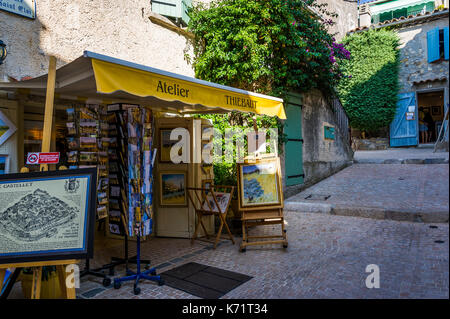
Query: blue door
(404, 128)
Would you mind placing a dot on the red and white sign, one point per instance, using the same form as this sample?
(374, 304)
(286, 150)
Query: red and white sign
(43, 158)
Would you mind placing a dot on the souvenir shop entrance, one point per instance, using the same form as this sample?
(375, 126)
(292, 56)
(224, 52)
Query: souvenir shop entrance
(111, 114)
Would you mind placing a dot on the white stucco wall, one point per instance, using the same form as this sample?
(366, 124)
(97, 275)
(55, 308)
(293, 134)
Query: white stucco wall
(65, 28)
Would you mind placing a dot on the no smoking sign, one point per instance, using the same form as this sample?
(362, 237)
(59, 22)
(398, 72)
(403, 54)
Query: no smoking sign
(43, 158)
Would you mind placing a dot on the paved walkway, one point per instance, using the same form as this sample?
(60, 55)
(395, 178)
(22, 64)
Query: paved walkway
(326, 258)
(418, 193)
(411, 155)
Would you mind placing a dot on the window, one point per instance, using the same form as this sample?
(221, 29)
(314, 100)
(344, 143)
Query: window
(438, 44)
(175, 9)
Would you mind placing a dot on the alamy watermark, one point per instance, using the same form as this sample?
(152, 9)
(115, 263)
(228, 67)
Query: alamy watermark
(211, 146)
(373, 279)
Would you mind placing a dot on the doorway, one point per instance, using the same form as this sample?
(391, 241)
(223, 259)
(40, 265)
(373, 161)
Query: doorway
(431, 115)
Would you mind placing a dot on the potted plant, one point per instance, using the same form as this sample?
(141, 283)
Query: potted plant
(50, 286)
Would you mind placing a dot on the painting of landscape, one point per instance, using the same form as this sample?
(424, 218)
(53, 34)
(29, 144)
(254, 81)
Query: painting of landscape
(259, 184)
(173, 189)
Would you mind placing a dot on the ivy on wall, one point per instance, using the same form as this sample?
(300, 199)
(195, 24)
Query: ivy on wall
(369, 91)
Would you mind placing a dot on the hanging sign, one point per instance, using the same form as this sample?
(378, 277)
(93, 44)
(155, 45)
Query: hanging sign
(25, 8)
(43, 158)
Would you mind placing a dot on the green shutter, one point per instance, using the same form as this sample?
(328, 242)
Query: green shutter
(173, 8)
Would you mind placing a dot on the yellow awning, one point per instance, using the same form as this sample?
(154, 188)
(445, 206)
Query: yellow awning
(96, 78)
(111, 77)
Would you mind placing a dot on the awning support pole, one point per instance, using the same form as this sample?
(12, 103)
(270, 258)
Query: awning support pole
(49, 104)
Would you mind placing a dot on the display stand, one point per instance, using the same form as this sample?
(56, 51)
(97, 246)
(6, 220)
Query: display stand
(207, 205)
(149, 274)
(262, 215)
(68, 292)
(4, 292)
(139, 208)
(117, 261)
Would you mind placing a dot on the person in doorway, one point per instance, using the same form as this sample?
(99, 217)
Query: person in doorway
(428, 119)
(423, 128)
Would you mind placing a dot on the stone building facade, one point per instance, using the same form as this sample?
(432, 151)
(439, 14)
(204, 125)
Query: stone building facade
(131, 31)
(424, 62)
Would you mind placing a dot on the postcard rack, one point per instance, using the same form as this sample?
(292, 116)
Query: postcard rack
(87, 131)
(117, 220)
(139, 214)
(265, 212)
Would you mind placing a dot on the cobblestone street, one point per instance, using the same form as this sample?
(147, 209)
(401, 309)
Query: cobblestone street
(404, 192)
(326, 258)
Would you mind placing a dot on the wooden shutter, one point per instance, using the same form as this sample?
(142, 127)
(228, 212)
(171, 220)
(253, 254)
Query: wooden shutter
(433, 45)
(294, 145)
(446, 40)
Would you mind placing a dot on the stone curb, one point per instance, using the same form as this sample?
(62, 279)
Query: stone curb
(403, 161)
(369, 212)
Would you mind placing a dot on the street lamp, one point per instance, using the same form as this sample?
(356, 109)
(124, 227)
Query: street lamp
(3, 52)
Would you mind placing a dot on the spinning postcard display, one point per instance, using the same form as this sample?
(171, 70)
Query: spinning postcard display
(140, 212)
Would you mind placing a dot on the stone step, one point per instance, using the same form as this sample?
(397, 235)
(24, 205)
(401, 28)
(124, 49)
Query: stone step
(368, 212)
(402, 161)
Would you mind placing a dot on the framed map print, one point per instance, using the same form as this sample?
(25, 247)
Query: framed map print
(259, 184)
(7, 128)
(47, 215)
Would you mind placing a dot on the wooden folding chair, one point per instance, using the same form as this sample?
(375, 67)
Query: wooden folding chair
(207, 202)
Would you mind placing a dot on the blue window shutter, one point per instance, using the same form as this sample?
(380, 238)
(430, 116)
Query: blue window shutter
(433, 45)
(446, 39)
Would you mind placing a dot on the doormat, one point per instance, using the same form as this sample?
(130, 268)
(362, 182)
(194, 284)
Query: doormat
(203, 281)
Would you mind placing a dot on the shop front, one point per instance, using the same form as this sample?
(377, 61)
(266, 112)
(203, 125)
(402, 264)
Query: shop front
(118, 116)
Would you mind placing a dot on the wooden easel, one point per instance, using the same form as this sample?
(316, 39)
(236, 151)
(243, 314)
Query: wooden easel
(256, 216)
(199, 199)
(68, 292)
(262, 217)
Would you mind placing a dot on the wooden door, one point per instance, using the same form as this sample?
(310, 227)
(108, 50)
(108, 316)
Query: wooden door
(404, 131)
(294, 145)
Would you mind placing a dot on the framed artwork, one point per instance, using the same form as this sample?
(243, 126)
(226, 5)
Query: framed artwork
(172, 188)
(7, 128)
(165, 144)
(47, 215)
(223, 200)
(435, 110)
(4, 164)
(426, 109)
(259, 184)
(207, 183)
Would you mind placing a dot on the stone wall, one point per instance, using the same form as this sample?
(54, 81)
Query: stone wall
(414, 55)
(66, 28)
(321, 157)
(347, 19)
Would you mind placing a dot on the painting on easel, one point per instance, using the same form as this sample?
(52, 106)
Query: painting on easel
(260, 183)
(47, 215)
